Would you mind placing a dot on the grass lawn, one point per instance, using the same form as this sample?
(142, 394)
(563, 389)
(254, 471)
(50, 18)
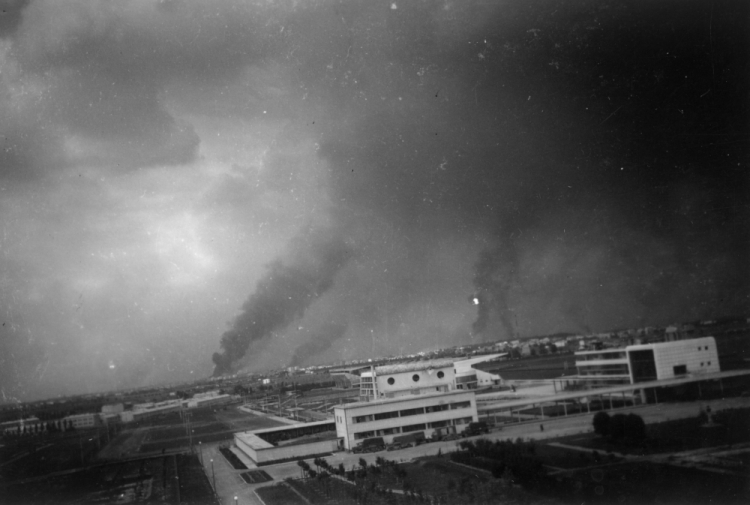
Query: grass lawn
(255, 476)
(433, 475)
(559, 457)
(170, 432)
(652, 483)
(279, 494)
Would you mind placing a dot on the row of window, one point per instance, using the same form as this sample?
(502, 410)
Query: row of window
(682, 369)
(412, 427)
(606, 355)
(392, 380)
(411, 412)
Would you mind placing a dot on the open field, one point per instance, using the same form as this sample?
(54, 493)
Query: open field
(643, 482)
(169, 432)
(31, 457)
(168, 479)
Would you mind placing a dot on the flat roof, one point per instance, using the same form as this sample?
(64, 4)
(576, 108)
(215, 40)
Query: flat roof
(673, 343)
(478, 359)
(609, 349)
(612, 390)
(413, 366)
(406, 398)
(252, 439)
(289, 427)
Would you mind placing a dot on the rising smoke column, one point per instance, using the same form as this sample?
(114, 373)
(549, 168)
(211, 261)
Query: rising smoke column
(495, 272)
(283, 294)
(319, 342)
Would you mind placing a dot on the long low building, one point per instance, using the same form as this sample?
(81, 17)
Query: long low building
(283, 443)
(388, 418)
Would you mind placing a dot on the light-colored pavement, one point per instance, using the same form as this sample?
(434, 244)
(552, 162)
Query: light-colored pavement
(225, 479)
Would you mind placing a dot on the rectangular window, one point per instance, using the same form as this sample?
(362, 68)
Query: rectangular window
(386, 415)
(388, 431)
(412, 412)
(437, 408)
(460, 405)
(364, 434)
(643, 365)
(680, 369)
(363, 419)
(439, 424)
(413, 427)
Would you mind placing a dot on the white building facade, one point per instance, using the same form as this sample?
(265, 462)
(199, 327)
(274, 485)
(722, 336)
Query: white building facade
(647, 362)
(407, 379)
(449, 412)
(671, 360)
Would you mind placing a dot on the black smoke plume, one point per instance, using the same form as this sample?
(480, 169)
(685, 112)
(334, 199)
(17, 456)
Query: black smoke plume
(283, 294)
(318, 343)
(494, 275)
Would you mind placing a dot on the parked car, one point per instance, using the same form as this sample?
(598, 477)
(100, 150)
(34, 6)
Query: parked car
(476, 428)
(373, 444)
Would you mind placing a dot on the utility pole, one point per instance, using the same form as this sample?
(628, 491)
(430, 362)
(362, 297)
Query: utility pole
(177, 478)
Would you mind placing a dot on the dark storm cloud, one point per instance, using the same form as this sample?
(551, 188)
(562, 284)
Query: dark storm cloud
(573, 166)
(578, 129)
(98, 75)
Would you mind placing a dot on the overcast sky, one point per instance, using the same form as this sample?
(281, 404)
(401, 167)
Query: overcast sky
(405, 174)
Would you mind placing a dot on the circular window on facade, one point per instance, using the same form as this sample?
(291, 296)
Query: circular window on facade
(415, 378)
(391, 381)
(441, 375)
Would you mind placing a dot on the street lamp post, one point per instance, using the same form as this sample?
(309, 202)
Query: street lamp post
(213, 474)
(235, 500)
(200, 451)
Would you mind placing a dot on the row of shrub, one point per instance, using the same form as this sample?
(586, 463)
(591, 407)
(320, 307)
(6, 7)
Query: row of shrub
(513, 461)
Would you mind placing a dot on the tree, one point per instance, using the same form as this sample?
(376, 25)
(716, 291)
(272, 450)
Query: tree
(635, 427)
(617, 426)
(240, 390)
(601, 423)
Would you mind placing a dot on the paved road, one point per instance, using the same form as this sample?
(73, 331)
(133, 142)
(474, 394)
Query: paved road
(230, 484)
